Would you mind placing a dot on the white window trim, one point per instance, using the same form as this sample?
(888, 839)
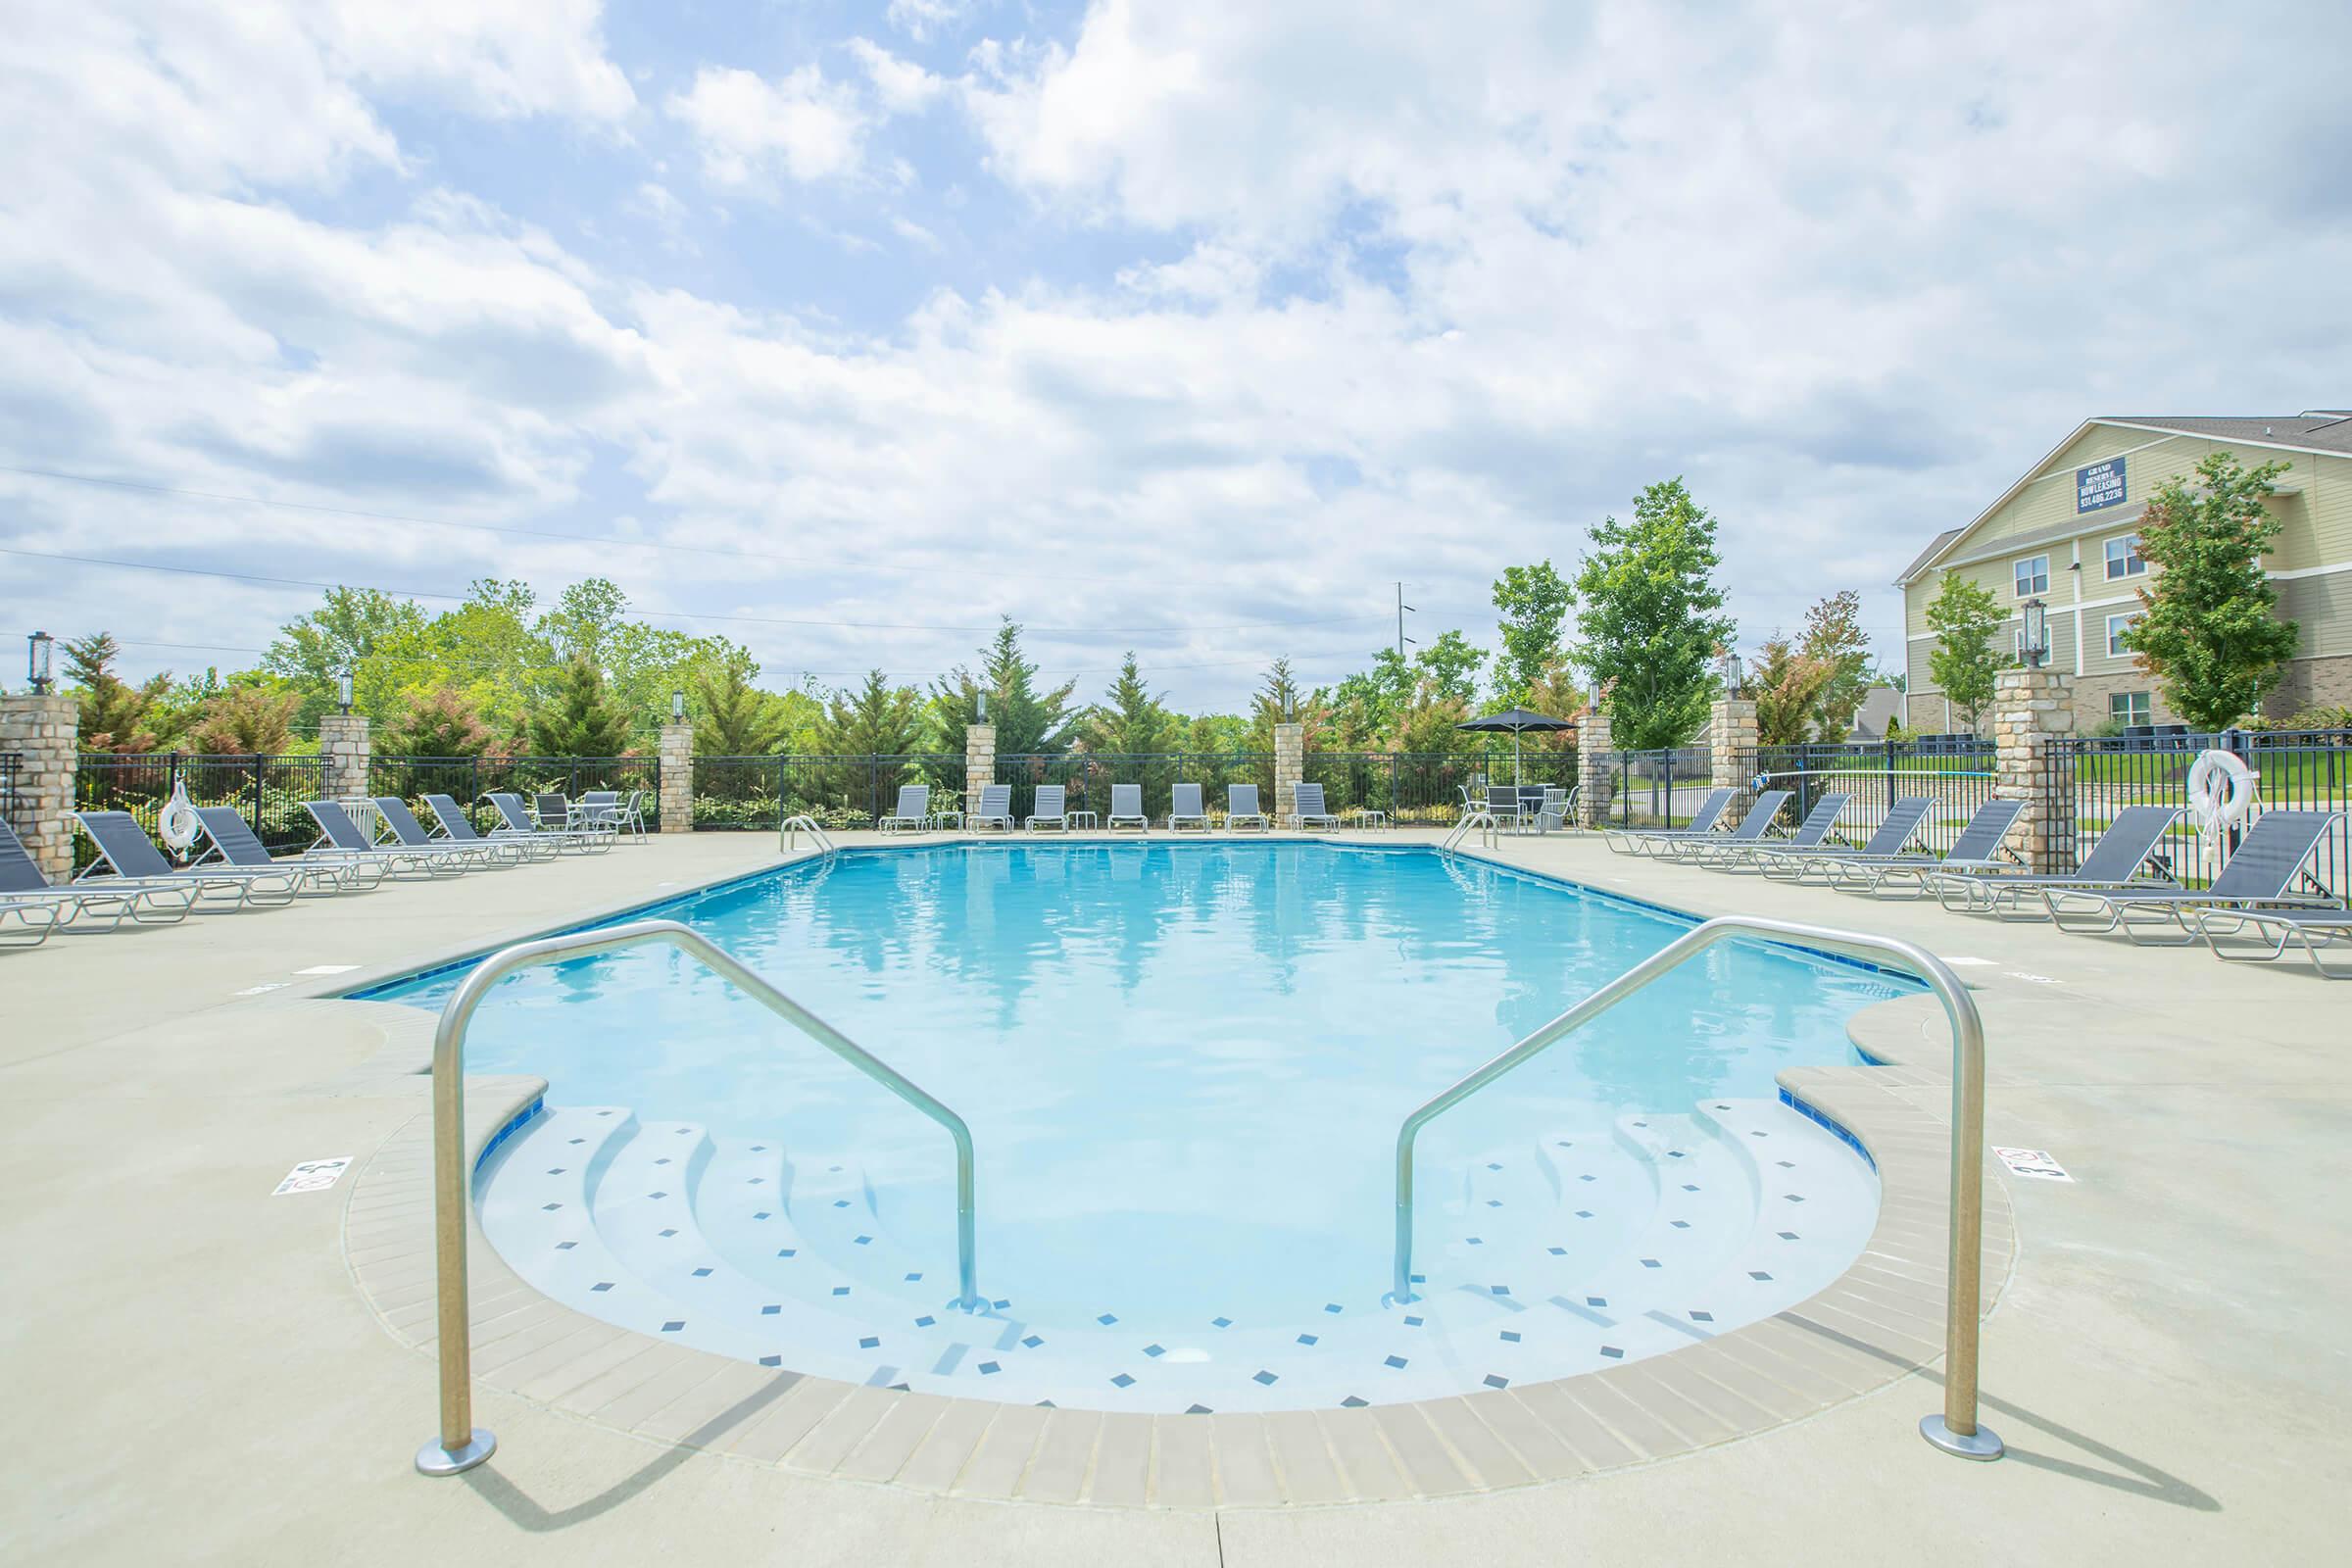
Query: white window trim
(2044, 574)
(2113, 621)
(2133, 554)
(2148, 702)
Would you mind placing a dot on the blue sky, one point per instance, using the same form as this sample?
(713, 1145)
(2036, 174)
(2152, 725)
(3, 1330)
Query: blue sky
(1191, 328)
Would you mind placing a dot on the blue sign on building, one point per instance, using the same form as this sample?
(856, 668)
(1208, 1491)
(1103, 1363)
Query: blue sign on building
(2099, 485)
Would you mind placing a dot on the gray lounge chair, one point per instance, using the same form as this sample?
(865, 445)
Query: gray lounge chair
(1126, 806)
(1644, 840)
(31, 907)
(347, 838)
(2115, 860)
(1761, 813)
(1241, 805)
(912, 813)
(233, 840)
(1184, 806)
(409, 834)
(1731, 852)
(2312, 929)
(2258, 873)
(1306, 806)
(458, 828)
(1890, 839)
(995, 807)
(1978, 844)
(518, 825)
(1048, 810)
(125, 852)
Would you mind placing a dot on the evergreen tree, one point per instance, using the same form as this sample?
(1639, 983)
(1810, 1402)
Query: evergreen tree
(1130, 720)
(1788, 684)
(1834, 638)
(1535, 602)
(248, 720)
(2209, 626)
(732, 717)
(1651, 618)
(877, 719)
(1965, 616)
(116, 715)
(579, 717)
(440, 722)
(1028, 722)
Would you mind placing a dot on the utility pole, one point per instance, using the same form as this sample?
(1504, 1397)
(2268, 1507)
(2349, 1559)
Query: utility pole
(1401, 609)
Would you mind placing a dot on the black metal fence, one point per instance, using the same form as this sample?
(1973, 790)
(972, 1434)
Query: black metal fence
(2087, 780)
(842, 791)
(468, 779)
(1955, 771)
(1647, 789)
(1427, 788)
(10, 763)
(267, 791)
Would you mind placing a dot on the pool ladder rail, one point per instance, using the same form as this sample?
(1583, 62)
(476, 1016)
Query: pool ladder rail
(462, 1444)
(1955, 1430)
(1476, 819)
(788, 835)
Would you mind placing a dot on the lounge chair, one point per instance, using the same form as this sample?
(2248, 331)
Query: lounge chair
(2313, 929)
(1977, 846)
(1126, 806)
(1184, 806)
(409, 834)
(1241, 805)
(348, 839)
(1048, 810)
(1762, 813)
(1645, 840)
(2115, 860)
(517, 824)
(125, 852)
(30, 908)
(1732, 851)
(1306, 806)
(457, 828)
(233, 840)
(912, 813)
(1890, 839)
(2258, 873)
(996, 807)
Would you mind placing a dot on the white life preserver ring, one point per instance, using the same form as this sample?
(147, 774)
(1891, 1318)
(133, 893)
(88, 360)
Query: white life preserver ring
(178, 826)
(2221, 792)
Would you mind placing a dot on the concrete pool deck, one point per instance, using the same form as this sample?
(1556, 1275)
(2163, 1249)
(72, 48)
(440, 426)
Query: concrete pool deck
(198, 1377)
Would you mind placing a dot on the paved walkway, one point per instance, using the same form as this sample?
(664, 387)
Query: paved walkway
(194, 1376)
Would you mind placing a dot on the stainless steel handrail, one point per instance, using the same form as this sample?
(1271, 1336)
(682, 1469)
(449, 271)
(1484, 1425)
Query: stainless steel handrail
(462, 1444)
(1477, 817)
(1955, 1430)
(788, 834)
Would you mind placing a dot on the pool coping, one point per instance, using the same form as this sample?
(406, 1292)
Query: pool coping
(1880, 1322)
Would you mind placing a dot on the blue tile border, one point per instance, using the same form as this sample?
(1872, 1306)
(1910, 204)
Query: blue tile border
(1814, 1113)
(523, 1116)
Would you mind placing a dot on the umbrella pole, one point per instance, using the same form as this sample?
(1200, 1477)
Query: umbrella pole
(1516, 776)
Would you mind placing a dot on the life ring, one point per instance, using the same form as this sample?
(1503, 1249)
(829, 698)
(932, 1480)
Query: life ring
(2221, 792)
(178, 825)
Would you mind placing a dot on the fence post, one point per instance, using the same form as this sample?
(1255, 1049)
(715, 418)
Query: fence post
(2031, 708)
(979, 762)
(1731, 747)
(344, 748)
(1289, 767)
(45, 731)
(673, 782)
(1593, 742)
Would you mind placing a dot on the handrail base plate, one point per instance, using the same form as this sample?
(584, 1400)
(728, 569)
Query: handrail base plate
(1982, 1444)
(434, 1461)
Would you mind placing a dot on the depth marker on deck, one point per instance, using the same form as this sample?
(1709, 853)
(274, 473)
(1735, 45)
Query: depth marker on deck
(312, 1176)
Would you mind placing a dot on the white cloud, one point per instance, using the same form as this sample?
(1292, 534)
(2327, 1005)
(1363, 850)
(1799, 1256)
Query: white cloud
(902, 86)
(747, 126)
(921, 19)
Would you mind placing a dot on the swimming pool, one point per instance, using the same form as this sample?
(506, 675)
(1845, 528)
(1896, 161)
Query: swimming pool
(1184, 1066)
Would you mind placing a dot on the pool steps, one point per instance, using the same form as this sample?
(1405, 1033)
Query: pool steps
(736, 1247)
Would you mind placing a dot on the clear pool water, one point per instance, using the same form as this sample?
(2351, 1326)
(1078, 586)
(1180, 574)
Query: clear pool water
(1184, 1066)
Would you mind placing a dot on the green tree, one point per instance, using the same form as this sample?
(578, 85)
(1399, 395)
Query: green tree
(441, 722)
(1129, 721)
(579, 717)
(116, 715)
(1964, 618)
(2209, 626)
(344, 633)
(876, 719)
(247, 719)
(1789, 683)
(732, 717)
(1365, 705)
(1028, 722)
(1535, 602)
(1651, 617)
(1834, 638)
(1450, 665)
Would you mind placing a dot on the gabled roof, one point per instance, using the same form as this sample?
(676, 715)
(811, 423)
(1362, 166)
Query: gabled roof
(1935, 549)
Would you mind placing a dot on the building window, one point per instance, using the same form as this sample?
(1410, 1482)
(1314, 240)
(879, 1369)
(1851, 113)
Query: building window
(2129, 707)
(2123, 557)
(2032, 576)
(2116, 625)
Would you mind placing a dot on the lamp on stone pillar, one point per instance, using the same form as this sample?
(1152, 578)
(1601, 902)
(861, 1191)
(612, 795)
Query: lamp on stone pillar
(343, 690)
(38, 651)
(2038, 633)
(983, 719)
(1729, 669)
(677, 707)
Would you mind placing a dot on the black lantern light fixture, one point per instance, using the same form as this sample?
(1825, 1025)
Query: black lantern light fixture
(2038, 633)
(39, 648)
(677, 707)
(1728, 667)
(982, 709)
(343, 691)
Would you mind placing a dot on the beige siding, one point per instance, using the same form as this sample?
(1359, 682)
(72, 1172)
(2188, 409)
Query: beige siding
(2048, 499)
(2322, 609)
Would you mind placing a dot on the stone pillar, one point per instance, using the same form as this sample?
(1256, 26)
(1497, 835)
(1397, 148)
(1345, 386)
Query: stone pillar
(1290, 766)
(44, 734)
(343, 746)
(2030, 708)
(1591, 767)
(1732, 749)
(979, 763)
(677, 777)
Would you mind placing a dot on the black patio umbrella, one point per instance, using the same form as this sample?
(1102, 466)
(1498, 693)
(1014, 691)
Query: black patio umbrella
(1518, 720)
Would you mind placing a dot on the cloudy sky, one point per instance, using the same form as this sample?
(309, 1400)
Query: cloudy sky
(845, 328)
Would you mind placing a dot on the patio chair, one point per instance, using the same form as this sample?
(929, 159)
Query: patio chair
(554, 809)
(458, 828)
(1977, 846)
(996, 807)
(602, 809)
(409, 834)
(912, 813)
(127, 853)
(2115, 860)
(1306, 806)
(31, 907)
(1184, 806)
(1048, 810)
(1735, 851)
(1645, 840)
(2312, 929)
(1241, 805)
(632, 814)
(1126, 806)
(1503, 804)
(2258, 873)
(1891, 838)
(1761, 813)
(1552, 809)
(235, 842)
(348, 839)
(515, 823)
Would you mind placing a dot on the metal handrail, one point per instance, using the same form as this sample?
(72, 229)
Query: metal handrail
(462, 1444)
(788, 834)
(1955, 1430)
(1476, 817)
